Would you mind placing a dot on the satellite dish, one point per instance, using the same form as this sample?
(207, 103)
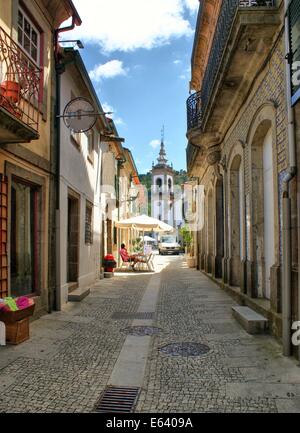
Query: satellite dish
(79, 115)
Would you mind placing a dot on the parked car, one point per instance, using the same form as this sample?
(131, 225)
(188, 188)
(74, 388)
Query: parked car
(169, 245)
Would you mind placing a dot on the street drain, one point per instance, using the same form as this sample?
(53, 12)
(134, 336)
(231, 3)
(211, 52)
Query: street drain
(117, 400)
(142, 330)
(185, 349)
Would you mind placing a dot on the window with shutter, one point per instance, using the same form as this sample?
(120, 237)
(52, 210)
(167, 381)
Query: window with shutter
(89, 223)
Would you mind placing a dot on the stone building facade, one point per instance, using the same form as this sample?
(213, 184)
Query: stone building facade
(27, 94)
(80, 161)
(60, 192)
(120, 191)
(238, 151)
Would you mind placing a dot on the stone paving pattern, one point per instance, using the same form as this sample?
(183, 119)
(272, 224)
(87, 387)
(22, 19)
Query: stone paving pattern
(68, 361)
(241, 372)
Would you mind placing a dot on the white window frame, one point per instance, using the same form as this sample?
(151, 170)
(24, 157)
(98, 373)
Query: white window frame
(33, 27)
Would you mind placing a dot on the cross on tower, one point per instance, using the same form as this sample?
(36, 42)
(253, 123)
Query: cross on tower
(162, 160)
(163, 134)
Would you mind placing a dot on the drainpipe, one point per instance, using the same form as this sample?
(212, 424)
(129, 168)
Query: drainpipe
(286, 206)
(59, 68)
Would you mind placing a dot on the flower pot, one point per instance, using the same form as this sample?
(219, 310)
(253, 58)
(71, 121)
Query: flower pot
(191, 262)
(109, 263)
(17, 324)
(11, 91)
(17, 332)
(10, 317)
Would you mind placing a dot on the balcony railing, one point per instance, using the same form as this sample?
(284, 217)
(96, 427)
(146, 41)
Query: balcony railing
(198, 102)
(20, 83)
(194, 111)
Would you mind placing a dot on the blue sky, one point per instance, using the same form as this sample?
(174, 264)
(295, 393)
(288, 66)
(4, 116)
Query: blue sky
(138, 55)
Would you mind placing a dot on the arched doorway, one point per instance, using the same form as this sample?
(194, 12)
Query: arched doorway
(203, 231)
(269, 241)
(210, 231)
(219, 228)
(263, 220)
(236, 225)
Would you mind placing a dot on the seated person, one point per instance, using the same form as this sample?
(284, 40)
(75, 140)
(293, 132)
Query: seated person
(132, 258)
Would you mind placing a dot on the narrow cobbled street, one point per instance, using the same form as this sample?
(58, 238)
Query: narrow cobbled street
(120, 335)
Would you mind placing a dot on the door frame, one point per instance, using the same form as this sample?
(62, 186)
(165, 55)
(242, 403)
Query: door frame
(74, 196)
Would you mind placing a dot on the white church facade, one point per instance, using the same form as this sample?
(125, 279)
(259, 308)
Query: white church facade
(166, 197)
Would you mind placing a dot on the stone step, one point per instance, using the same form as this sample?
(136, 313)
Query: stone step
(72, 286)
(78, 294)
(251, 321)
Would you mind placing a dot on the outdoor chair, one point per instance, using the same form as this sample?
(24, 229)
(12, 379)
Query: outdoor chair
(146, 262)
(150, 261)
(125, 265)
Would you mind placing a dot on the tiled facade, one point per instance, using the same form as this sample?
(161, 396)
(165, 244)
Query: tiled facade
(242, 168)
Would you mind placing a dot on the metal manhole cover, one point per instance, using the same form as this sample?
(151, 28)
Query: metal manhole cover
(185, 349)
(142, 330)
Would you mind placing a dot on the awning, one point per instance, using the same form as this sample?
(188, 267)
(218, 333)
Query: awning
(145, 223)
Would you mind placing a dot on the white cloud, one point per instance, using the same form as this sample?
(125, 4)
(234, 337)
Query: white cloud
(154, 143)
(132, 24)
(192, 5)
(117, 120)
(186, 74)
(177, 62)
(111, 69)
(108, 108)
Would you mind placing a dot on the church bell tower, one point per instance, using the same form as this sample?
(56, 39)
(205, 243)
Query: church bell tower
(162, 193)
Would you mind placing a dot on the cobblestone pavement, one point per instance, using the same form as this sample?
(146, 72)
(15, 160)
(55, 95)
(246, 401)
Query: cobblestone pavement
(70, 357)
(68, 360)
(240, 373)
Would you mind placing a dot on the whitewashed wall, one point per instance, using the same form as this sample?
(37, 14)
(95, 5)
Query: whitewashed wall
(78, 174)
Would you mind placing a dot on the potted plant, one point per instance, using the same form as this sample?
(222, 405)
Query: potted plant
(137, 245)
(10, 95)
(188, 244)
(11, 90)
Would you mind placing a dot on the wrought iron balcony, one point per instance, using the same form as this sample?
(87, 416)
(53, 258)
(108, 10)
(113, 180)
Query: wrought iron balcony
(20, 93)
(194, 111)
(198, 102)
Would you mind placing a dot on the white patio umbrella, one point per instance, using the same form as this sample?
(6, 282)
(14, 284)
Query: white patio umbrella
(144, 223)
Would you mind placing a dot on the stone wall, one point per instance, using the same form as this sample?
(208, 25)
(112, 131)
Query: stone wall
(263, 110)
